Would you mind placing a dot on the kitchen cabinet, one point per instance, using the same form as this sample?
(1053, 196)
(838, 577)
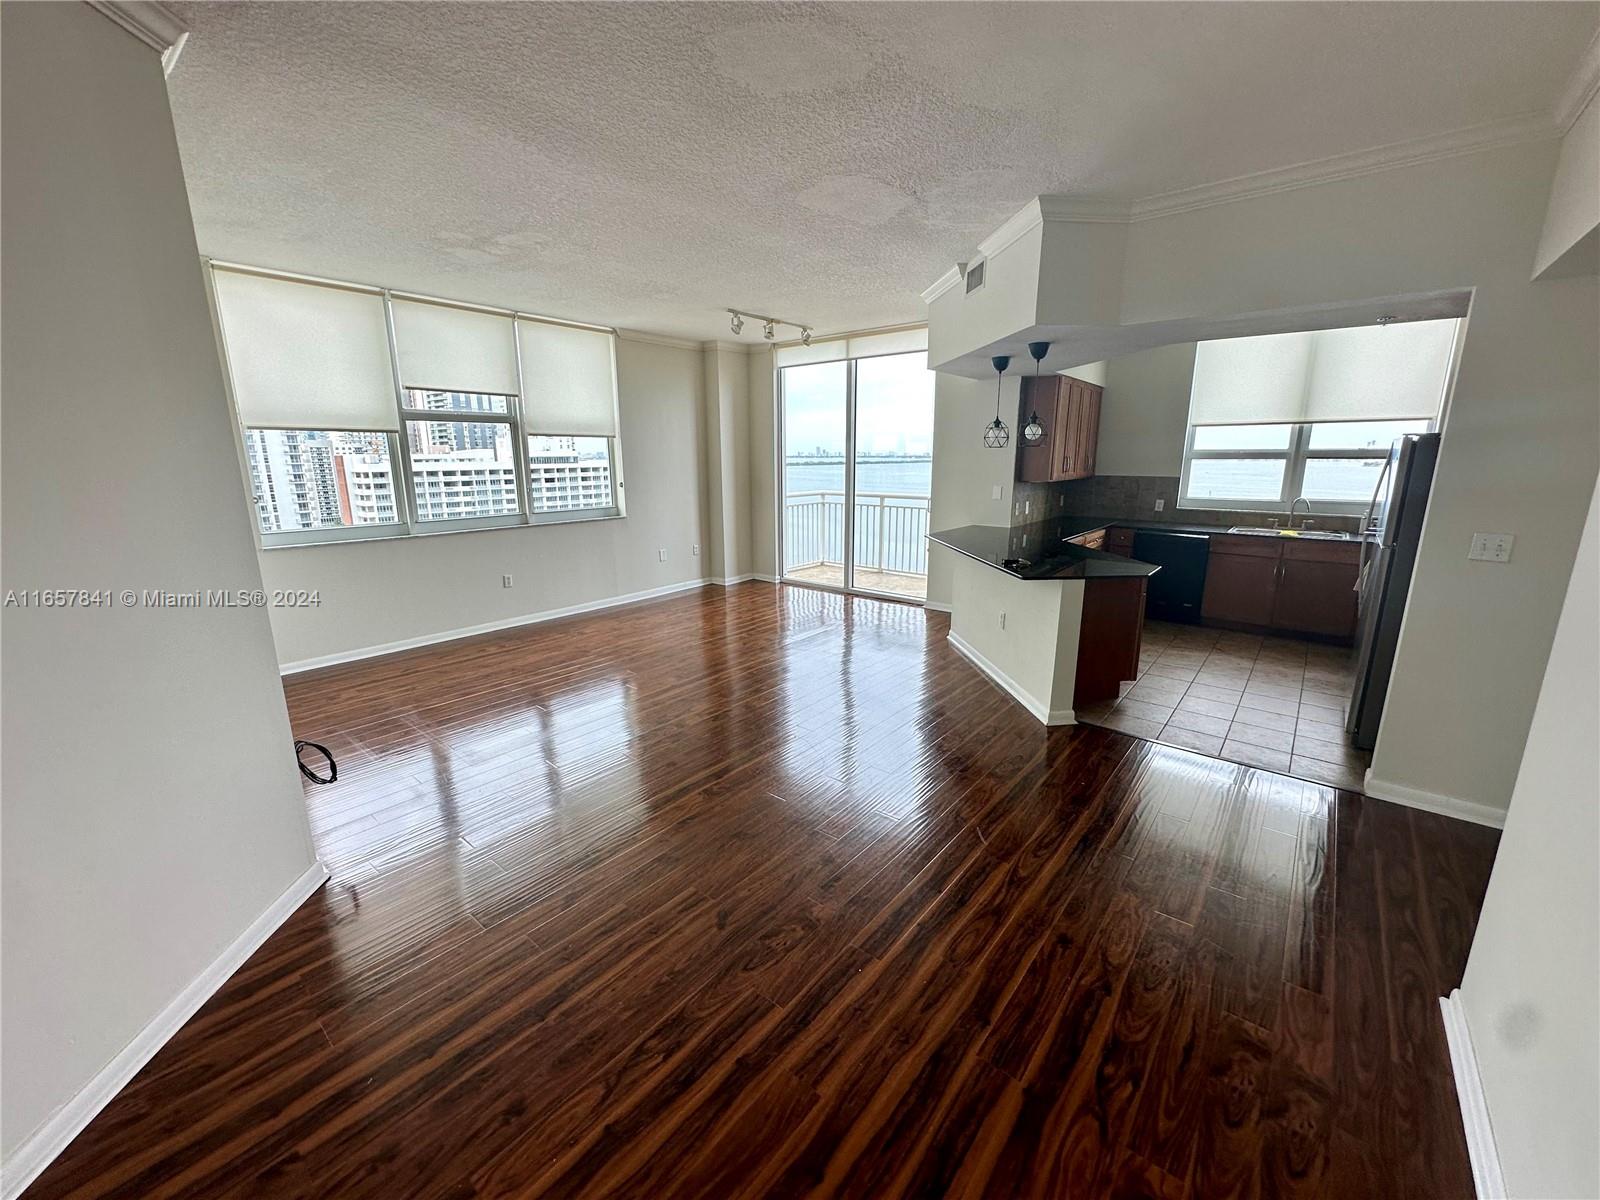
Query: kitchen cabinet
(1069, 411)
(1109, 634)
(1316, 590)
(1120, 541)
(1095, 539)
(1280, 583)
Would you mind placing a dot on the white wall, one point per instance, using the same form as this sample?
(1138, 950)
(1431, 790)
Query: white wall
(1533, 976)
(152, 809)
(1567, 244)
(965, 471)
(1144, 418)
(1035, 650)
(379, 593)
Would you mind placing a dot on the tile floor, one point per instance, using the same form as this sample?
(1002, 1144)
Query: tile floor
(1268, 702)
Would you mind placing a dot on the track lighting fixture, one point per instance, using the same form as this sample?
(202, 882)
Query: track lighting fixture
(769, 325)
(1033, 431)
(997, 435)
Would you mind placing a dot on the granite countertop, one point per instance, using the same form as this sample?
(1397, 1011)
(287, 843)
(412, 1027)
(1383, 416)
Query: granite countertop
(1038, 551)
(1072, 525)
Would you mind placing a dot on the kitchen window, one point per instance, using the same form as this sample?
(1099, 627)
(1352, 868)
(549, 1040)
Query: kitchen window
(1334, 465)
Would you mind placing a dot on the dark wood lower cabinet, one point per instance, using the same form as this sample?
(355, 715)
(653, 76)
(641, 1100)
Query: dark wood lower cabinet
(1297, 587)
(1240, 588)
(1315, 597)
(1108, 638)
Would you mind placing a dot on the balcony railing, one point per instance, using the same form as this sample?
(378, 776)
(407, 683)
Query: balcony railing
(891, 531)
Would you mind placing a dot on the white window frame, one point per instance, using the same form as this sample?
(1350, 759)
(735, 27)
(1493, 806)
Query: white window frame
(407, 523)
(1295, 457)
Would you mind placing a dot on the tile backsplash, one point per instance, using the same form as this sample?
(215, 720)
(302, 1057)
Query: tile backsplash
(1133, 498)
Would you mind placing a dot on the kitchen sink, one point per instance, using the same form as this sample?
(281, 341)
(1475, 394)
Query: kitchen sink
(1316, 535)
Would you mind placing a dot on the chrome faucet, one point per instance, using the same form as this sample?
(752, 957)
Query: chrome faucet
(1307, 503)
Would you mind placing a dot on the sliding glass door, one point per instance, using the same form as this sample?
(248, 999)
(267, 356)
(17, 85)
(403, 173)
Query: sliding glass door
(858, 473)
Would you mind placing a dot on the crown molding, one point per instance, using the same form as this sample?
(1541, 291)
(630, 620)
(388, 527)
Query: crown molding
(944, 283)
(1029, 217)
(658, 339)
(154, 24)
(1083, 211)
(1530, 127)
(1581, 87)
(734, 347)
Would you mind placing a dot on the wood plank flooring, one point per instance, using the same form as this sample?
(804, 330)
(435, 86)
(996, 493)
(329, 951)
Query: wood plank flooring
(766, 892)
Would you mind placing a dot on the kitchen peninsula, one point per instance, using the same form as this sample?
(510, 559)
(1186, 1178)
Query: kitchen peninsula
(1054, 622)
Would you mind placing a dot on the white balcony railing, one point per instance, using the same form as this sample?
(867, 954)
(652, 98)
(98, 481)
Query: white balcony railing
(891, 531)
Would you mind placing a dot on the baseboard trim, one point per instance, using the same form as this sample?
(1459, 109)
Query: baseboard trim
(450, 635)
(1041, 711)
(1434, 802)
(731, 580)
(51, 1138)
(935, 606)
(1485, 1156)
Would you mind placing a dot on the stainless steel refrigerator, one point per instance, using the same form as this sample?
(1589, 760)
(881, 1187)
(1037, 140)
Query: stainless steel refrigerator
(1387, 560)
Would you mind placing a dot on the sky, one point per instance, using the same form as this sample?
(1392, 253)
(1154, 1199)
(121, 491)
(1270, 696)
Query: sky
(894, 406)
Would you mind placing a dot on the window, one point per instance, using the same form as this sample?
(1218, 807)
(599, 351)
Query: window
(368, 415)
(320, 479)
(1333, 464)
(569, 474)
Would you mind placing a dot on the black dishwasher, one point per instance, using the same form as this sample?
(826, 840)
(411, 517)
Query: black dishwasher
(1176, 589)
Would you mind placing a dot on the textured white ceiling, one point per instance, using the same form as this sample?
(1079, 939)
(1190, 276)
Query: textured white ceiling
(647, 165)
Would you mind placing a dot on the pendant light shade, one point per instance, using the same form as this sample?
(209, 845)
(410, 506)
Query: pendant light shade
(997, 435)
(1033, 431)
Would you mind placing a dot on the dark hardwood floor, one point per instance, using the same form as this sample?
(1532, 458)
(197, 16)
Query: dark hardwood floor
(767, 892)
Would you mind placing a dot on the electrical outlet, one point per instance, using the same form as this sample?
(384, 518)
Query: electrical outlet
(1002, 619)
(695, 549)
(1491, 547)
(999, 492)
(505, 581)
(1160, 505)
(662, 554)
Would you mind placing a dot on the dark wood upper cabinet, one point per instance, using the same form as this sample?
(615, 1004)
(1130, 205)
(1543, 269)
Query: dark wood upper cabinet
(1069, 410)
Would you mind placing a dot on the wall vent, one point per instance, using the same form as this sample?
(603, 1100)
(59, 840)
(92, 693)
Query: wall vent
(974, 277)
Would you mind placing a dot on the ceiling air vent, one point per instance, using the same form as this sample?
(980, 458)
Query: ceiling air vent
(974, 277)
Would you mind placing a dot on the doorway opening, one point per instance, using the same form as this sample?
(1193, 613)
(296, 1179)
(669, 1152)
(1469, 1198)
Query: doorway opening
(856, 458)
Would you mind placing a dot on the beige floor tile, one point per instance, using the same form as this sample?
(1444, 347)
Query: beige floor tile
(1210, 708)
(1173, 671)
(1157, 689)
(1259, 735)
(1351, 778)
(1190, 739)
(1318, 712)
(1255, 756)
(1334, 752)
(1199, 722)
(1325, 699)
(1144, 711)
(1126, 724)
(1281, 691)
(1275, 704)
(1266, 720)
(1319, 729)
(1209, 691)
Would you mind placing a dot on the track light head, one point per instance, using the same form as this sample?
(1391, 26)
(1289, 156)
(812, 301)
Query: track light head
(737, 324)
(768, 332)
(805, 336)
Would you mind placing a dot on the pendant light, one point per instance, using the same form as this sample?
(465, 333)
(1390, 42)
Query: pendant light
(997, 435)
(1033, 432)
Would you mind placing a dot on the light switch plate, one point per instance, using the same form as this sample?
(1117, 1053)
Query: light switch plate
(999, 492)
(1160, 505)
(1491, 547)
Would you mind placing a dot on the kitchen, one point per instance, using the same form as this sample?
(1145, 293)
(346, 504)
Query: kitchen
(1231, 526)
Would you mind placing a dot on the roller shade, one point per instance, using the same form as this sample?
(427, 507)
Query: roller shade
(1367, 373)
(304, 355)
(569, 380)
(859, 345)
(454, 349)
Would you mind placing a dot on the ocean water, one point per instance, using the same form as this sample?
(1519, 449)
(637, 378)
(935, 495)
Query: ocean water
(908, 477)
